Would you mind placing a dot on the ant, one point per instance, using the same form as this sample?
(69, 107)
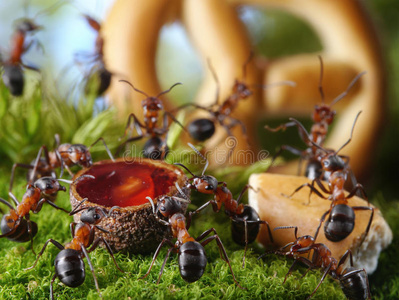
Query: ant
(192, 257)
(99, 70)
(16, 225)
(323, 116)
(203, 128)
(341, 219)
(354, 282)
(69, 265)
(63, 156)
(245, 220)
(155, 147)
(13, 76)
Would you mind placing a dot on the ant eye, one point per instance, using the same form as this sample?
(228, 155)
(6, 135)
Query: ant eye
(326, 163)
(96, 216)
(209, 187)
(48, 186)
(162, 208)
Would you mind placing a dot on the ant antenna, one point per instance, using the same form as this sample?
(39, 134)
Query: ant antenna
(76, 208)
(181, 193)
(152, 204)
(287, 227)
(181, 165)
(349, 140)
(210, 66)
(271, 85)
(244, 67)
(342, 95)
(321, 79)
(203, 157)
(167, 91)
(137, 90)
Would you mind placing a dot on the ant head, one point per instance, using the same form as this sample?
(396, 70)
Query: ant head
(79, 154)
(332, 162)
(241, 89)
(48, 185)
(205, 184)
(152, 104)
(323, 113)
(92, 215)
(302, 242)
(169, 206)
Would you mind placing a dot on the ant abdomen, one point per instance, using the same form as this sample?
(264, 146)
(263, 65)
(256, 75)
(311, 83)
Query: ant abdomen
(70, 268)
(201, 129)
(103, 79)
(155, 148)
(13, 79)
(314, 169)
(192, 261)
(355, 285)
(238, 226)
(340, 223)
(21, 233)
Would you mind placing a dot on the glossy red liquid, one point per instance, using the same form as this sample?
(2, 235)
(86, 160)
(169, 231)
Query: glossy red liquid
(125, 184)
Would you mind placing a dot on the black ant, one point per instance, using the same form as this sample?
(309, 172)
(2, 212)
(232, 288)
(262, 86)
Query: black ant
(69, 265)
(16, 225)
(354, 282)
(192, 257)
(341, 219)
(13, 76)
(323, 116)
(63, 156)
(155, 147)
(245, 220)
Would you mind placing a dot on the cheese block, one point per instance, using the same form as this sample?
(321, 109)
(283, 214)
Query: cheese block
(270, 199)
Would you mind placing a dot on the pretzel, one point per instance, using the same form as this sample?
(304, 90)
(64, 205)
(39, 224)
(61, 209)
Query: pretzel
(350, 46)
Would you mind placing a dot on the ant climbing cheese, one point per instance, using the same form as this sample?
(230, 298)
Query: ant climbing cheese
(270, 200)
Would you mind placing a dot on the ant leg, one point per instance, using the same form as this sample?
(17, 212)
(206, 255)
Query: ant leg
(94, 246)
(136, 138)
(72, 228)
(136, 123)
(106, 147)
(29, 224)
(234, 122)
(221, 249)
(17, 165)
(91, 269)
(296, 260)
(323, 217)
(156, 255)
(166, 123)
(164, 263)
(316, 191)
(360, 188)
(51, 286)
(55, 243)
(321, 280)
(42, 201)
(6, 203)
(12, 196)
(369, 223)
(282, 127)
(348, 253)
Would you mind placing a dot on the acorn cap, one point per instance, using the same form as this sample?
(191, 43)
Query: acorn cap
(279, 210)
(133, 227)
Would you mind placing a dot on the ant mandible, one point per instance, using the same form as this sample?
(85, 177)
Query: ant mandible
(16, 225)
(155, 147)
(69, 265)
(245, 220)
(323, 116)
(354, 282)
(63, 156)
(192, 257)
(341, 219)
(13, 76)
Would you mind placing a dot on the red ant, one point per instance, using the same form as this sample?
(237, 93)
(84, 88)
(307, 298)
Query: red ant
(192, 257)
(64, 156)
(245, 220)
(354, 282)
(13, 76)
(16, 225)
(323, 116)
(69, 265)
(99, 70)
(202, 129)
(341, 219)
(155, 147)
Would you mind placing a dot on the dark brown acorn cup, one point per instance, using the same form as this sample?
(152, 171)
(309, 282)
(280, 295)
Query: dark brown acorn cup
(127, 183)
